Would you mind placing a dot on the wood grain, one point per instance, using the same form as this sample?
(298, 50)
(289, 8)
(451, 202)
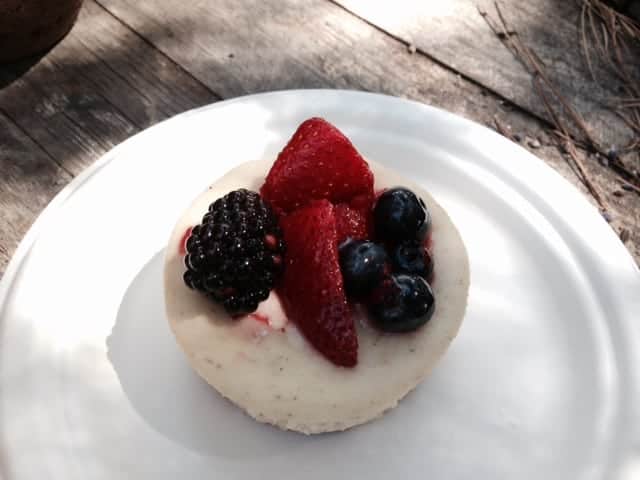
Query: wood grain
(238, 48)
(131, 74)
(93, 90)
(99, 86)
(65, 115)
(128, 64)
(30, 178)
(455, 34)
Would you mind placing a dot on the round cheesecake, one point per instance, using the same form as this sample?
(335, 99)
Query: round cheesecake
(263, 364)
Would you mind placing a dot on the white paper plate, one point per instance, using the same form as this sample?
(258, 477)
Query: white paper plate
(542, 382)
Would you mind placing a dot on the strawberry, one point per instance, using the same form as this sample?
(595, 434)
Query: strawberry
(354, 219)
(318, 162)
(312, 287)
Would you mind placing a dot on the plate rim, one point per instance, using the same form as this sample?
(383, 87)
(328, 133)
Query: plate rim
(29, 238)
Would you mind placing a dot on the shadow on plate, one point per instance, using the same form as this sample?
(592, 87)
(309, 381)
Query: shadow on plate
(167, 393)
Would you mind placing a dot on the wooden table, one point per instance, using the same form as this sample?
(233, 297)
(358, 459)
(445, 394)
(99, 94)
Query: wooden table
(128, 64)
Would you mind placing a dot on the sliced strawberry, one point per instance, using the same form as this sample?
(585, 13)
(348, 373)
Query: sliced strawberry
(353, 219)
(312, 288)
(318, 162)
(350, 223)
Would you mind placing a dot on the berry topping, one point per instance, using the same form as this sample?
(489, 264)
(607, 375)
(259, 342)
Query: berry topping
(400, 215)
(354, 218)
(363, 266)
(402, 303)
(235, 255)
(183, 241)
(312, 288)
(260, 318)
(318, 162)
(412, 258)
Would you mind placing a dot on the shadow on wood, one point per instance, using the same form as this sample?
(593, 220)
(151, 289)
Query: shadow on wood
(9, 72)
(128, 65)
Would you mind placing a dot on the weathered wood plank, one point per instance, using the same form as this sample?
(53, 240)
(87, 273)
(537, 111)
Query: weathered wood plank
(455, 34)
(30, 178)
(93, 90)
(130, 73)
(96, 88)
(238, 48)
(232, 49)
(65, 115)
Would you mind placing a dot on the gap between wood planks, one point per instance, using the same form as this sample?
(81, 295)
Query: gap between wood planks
(29, 180)
(86, 79)
(534, 65)
(35, 141)
(628, 179)
(413, 49)
(148, 42)
(547, 92)
(545, 121)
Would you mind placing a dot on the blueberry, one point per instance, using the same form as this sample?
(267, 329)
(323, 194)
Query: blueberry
(402, 304)
(362, 263)
(412, 258)
(400, 215)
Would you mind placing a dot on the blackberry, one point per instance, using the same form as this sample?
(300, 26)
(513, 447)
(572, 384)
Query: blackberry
(235, 255)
